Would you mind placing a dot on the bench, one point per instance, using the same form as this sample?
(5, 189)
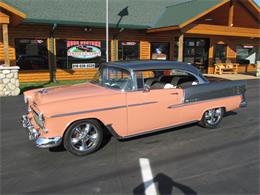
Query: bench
(221, 68)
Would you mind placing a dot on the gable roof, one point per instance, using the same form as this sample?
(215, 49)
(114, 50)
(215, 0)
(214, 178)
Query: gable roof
(142, 14)
(178, 14)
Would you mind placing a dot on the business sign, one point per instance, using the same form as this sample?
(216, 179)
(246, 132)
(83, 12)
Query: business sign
(83, 65)
(129, 43)
(248, 46)
(84, 52)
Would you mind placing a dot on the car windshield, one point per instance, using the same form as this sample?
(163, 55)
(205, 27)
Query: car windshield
(115, 78)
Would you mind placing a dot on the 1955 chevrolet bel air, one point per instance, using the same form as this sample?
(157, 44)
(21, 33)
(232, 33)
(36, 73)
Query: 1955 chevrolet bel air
(127, 99)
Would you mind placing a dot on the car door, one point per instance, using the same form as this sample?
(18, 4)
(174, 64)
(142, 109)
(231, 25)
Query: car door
(150, 110)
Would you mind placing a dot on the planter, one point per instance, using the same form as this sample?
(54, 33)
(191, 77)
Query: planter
(9, 81)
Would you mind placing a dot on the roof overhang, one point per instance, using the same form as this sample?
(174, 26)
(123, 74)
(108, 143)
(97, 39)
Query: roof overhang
(15, 16)
(224, 31)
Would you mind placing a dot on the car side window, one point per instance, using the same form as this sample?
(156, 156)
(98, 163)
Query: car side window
(183, 79)
(164, 79)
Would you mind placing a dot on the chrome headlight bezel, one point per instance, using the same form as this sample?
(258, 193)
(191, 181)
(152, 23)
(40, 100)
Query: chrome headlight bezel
(25, 98)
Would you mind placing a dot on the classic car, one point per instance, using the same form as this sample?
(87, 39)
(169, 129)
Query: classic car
(127, 99)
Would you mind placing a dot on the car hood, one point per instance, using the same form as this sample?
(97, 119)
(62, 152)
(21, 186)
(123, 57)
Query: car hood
(62, 93)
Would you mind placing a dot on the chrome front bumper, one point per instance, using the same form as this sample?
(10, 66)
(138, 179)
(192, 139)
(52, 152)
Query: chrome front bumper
(34, 135)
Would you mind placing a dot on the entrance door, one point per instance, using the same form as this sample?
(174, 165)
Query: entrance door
(196, 52)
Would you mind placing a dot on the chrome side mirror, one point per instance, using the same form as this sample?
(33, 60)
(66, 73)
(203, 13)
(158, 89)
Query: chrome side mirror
(146, 88)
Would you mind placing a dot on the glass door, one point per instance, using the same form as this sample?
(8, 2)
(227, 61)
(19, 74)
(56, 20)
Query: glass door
(196, 52)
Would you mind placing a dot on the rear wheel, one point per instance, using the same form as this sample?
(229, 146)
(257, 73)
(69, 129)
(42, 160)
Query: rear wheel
(211, 118)
(83, 137)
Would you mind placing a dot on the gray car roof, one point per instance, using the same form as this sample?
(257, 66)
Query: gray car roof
(154, 65)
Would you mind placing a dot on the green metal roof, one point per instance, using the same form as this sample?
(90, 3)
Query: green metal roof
(142, 14)
(182, 12)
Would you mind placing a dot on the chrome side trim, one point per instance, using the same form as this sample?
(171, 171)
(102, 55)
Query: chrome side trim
(86, 111)
(100, 109)
(141, 104)
(197, 102)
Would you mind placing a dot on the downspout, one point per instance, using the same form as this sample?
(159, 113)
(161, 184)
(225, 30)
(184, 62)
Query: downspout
(52, 55)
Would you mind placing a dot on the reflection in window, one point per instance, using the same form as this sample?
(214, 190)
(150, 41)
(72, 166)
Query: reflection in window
(247, 54)
(220, 53)
(128, 50)
(115, 78)
(31, 54)
(80, 54)
(165, 79)
(160, 51)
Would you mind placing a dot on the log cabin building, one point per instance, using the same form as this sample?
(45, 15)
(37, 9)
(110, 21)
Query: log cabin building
(68, 37)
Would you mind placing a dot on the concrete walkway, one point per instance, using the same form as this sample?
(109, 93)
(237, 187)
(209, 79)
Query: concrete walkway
(245, 76)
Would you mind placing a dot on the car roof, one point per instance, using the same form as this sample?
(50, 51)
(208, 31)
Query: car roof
(153, 65)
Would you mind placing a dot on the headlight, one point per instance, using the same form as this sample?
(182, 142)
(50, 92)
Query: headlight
(40, 120)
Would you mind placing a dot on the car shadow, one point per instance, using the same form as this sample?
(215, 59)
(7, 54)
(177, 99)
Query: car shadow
(159, 132)
(165, 186)
(230, 113)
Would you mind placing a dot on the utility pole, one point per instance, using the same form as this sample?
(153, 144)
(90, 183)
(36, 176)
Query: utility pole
(107, 33)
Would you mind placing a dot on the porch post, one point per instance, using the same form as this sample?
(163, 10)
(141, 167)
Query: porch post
(231, 14)
(180, 49)
(6, 44)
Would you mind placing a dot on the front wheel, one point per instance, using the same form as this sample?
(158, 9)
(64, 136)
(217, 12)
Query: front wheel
(211, 118)
(83, 137)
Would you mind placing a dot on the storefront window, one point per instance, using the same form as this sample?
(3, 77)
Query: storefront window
(31, 54)
(128, 50)
(220, 53)
(75, 54)
(247, 54)
(160, 51)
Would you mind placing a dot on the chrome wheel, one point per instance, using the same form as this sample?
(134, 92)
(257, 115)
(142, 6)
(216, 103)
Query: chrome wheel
(213, 116)
(84, 137)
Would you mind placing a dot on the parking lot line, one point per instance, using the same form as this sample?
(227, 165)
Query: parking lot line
(147, 177)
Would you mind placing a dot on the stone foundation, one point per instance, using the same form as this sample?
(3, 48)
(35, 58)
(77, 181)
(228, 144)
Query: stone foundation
(9, 81)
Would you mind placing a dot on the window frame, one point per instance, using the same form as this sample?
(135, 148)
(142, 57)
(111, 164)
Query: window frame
(77, 39)
(139, 48)
(200, 80)
(47, 39)
(162, 42)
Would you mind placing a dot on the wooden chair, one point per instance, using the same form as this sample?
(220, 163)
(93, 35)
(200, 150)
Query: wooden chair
(219, 66)
(232, 66)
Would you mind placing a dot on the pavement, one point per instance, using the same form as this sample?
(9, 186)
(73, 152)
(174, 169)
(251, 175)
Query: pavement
(244, 76)
(186, 160)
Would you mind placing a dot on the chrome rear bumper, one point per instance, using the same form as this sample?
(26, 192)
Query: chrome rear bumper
(243, 104)
(34, 135)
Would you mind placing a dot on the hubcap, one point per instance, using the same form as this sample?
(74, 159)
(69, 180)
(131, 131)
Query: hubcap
(213, 116)
(84, 137)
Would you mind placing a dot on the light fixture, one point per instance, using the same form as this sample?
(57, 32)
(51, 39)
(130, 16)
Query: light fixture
(87, 29)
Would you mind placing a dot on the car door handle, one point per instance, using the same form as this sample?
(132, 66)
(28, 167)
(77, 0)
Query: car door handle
(176, 93)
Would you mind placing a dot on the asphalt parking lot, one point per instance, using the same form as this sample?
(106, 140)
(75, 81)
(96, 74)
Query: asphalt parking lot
(187, 160)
